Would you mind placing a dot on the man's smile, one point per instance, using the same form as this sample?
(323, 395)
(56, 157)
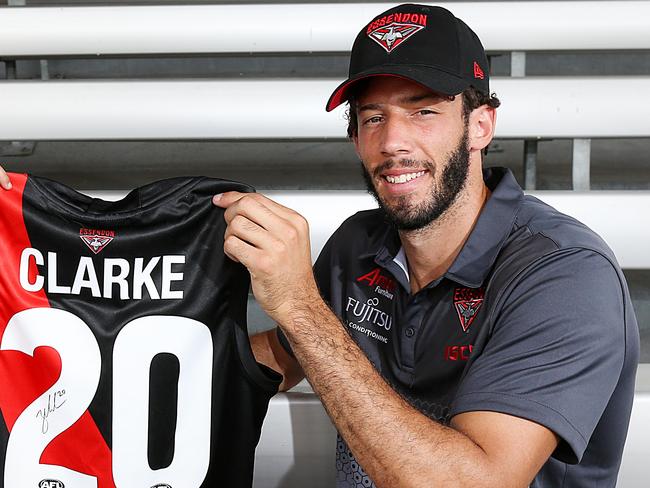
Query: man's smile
(403, 178)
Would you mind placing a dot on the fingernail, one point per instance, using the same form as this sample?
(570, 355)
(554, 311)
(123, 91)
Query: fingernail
(217, 197)
(8, 186)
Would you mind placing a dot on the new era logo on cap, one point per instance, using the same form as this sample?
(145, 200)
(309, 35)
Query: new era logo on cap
(478, 72)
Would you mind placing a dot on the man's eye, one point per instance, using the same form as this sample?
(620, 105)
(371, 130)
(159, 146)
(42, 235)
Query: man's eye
(426, 111)
(373, 120)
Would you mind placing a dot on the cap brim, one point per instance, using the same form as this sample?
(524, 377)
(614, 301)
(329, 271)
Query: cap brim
(431, 78)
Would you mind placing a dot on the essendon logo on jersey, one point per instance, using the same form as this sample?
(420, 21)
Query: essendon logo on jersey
(96, 239)
(392, 30)
(467, 302)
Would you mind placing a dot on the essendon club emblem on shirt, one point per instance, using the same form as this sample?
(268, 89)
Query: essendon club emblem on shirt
(96, 239)
(392, 35)
(467, 302)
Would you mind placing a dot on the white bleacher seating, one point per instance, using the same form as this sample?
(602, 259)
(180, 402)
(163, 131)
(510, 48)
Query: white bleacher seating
(295, 27)
(562, 107)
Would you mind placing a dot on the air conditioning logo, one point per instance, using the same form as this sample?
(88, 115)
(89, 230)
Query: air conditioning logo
(96, 239)
(51, 484)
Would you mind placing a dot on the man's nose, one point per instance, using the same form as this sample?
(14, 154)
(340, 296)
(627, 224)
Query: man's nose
(396, 138)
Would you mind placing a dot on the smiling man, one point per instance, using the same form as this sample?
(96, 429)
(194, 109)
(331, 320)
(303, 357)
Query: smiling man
(463, 334)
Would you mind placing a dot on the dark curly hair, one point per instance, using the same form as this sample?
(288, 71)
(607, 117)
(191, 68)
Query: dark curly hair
(472, 99)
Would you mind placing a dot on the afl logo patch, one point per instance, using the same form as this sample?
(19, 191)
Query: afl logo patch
(162, 485)
(51, 484)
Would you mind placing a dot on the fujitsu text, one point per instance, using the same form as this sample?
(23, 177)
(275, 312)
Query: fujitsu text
(366, 312)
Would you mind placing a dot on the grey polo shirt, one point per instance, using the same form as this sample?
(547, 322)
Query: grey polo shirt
(533, 319)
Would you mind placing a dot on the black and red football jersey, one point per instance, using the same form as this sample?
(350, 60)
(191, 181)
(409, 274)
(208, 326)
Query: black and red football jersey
(124, 357)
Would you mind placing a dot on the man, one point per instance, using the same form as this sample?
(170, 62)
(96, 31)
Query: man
(476, 337)
(463, 334)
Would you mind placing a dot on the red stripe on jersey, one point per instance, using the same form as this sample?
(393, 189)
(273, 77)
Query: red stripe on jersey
(24, 378)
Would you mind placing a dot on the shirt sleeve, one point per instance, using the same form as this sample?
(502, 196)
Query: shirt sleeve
(556, 351)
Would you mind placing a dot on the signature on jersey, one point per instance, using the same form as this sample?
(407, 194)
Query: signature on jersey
(55, 401)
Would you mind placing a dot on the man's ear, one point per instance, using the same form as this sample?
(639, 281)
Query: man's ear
(482, 122)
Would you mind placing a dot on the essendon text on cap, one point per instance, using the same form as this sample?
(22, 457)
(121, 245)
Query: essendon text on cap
(401, 18)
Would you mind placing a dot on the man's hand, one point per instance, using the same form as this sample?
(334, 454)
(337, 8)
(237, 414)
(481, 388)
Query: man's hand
(272, 241)
(4, 179)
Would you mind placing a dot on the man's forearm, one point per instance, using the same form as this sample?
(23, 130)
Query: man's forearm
(395, 443)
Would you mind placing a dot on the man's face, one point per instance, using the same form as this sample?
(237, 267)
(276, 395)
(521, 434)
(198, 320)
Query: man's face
(414, 151)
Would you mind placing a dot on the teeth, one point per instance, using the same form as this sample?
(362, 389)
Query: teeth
(404, 177)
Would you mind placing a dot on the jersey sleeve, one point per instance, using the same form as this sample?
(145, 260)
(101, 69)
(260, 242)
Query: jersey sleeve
(556, 351)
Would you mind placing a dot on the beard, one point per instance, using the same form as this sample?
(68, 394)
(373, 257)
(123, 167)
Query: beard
(407, 216)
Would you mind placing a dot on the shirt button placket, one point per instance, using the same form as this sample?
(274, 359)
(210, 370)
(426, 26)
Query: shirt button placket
(411, 320)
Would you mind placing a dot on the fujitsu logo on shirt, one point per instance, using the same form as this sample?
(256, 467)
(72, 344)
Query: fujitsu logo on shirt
(392, 30)
(96, 239)
(367, 312)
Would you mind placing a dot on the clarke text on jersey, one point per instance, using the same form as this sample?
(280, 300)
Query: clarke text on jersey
(130, 277)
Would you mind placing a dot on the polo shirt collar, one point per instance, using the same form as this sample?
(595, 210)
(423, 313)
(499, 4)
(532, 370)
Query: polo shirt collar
(476, 258)
(492, 229)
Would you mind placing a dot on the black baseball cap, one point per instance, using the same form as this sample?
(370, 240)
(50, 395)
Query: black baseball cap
(421, 43)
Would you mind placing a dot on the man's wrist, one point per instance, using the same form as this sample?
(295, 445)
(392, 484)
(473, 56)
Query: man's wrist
(302, 312)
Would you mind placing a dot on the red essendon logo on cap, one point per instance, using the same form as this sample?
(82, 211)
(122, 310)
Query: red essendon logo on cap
(478, 72)
(467, 301)
(96, 239)
(392, 30)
